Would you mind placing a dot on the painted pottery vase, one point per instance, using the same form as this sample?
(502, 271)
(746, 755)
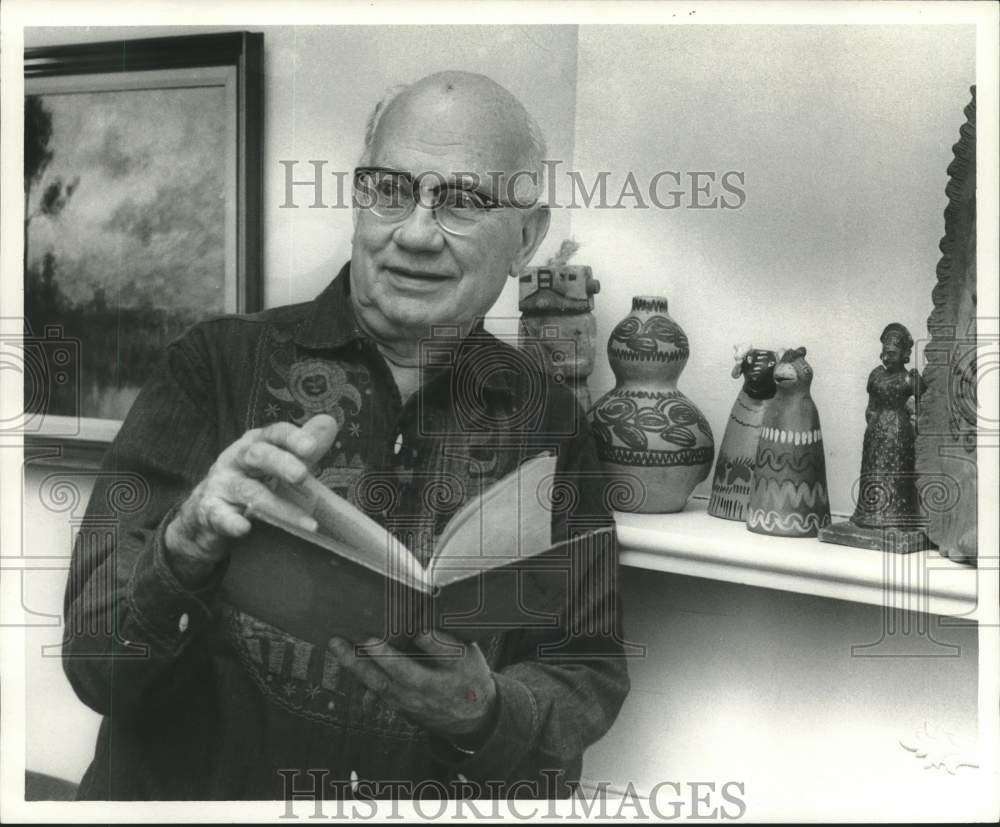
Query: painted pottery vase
(650, 437)
(738, 453)
(789, 495)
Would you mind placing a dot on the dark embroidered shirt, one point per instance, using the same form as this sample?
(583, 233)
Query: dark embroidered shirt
(203, 701)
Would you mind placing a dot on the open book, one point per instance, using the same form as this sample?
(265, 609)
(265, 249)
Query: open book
(494, 567)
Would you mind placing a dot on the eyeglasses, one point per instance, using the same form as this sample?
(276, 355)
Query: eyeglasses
(392, 195)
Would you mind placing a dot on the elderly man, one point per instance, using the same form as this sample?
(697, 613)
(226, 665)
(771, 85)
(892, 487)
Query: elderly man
(200, 699)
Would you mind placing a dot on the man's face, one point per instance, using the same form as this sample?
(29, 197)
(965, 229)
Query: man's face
(409, 274)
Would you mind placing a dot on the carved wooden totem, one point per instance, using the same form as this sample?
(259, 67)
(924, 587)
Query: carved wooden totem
(947, 414)
(556, 303)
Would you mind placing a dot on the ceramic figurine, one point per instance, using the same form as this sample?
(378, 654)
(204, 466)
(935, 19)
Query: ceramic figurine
(737, 456)
(556, 303)
(650, 436)
(887, 492)
(789, 495)
(947, 418)
(887, 457)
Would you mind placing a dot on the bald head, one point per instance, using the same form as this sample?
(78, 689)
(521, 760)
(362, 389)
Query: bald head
(466, 138)
(459, 116)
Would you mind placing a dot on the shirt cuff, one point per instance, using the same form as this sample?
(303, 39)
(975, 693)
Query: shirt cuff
(162, 611)
(504, 749)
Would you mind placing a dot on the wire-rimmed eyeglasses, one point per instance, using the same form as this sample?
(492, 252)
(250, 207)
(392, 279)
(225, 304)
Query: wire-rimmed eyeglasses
(392, 195)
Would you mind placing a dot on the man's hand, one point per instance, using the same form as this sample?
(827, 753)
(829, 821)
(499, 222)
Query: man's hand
(198, 537)
(448, 688)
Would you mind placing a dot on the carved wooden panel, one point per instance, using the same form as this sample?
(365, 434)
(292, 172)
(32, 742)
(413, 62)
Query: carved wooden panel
(946, 422)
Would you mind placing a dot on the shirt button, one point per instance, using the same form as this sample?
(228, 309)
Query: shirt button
(399, 444)
(182, 623)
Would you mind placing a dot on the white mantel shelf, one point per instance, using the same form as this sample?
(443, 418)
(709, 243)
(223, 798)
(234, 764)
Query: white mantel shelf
(693, 543)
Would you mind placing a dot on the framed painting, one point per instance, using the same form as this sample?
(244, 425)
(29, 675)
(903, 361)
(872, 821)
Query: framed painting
(142, 205)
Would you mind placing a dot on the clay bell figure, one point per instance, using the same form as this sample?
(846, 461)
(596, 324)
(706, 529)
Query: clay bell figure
(738, 454)
(887, 513)
(556, 303)
(789, 496)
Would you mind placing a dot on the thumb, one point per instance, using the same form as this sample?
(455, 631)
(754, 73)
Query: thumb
(440, 644)
(323, 428)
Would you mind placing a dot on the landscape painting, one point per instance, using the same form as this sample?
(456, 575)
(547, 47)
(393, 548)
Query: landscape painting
(129, 231)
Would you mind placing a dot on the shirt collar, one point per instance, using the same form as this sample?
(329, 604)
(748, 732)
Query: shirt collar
(331, 323)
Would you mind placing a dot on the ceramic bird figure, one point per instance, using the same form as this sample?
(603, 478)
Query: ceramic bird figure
(738, 454)
(789, 496)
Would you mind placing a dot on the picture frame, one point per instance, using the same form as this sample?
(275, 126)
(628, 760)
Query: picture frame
(143, 197)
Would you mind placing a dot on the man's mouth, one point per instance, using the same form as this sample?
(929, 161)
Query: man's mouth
(422, 275)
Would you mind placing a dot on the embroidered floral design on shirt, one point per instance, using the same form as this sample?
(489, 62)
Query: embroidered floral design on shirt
(315, 386)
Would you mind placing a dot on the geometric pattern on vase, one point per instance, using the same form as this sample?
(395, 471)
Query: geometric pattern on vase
(646, 429)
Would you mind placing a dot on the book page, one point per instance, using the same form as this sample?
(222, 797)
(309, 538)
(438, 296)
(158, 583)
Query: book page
(510, 519)
(343, 522)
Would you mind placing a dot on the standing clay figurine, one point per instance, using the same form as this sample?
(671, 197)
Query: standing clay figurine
(738, 454)
(650, 436)
(556, 303)
(789, 496)
(887, 491)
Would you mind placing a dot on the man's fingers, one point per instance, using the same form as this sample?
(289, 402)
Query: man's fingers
(286, 451)
(321, 430)
(255, 495)
(308, 443)
(285, 435)
(224, 518)
(263, 458)
(279, 454)
(405, 670)
(364, 669)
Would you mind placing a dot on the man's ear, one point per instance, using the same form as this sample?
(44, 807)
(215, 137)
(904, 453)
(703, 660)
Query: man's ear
(533, 233)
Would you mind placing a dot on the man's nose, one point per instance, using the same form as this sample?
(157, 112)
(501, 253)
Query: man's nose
(420, 231)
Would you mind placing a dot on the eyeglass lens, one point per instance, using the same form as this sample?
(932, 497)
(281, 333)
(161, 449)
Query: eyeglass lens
(391, 195)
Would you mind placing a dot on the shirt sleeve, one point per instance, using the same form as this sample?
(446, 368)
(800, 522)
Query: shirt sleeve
(561, 689)
(129, 620)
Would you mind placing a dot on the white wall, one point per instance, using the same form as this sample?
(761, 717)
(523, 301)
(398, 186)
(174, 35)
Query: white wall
(60, 731)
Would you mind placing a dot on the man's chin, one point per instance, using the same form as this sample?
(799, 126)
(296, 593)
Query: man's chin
(412, 321)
